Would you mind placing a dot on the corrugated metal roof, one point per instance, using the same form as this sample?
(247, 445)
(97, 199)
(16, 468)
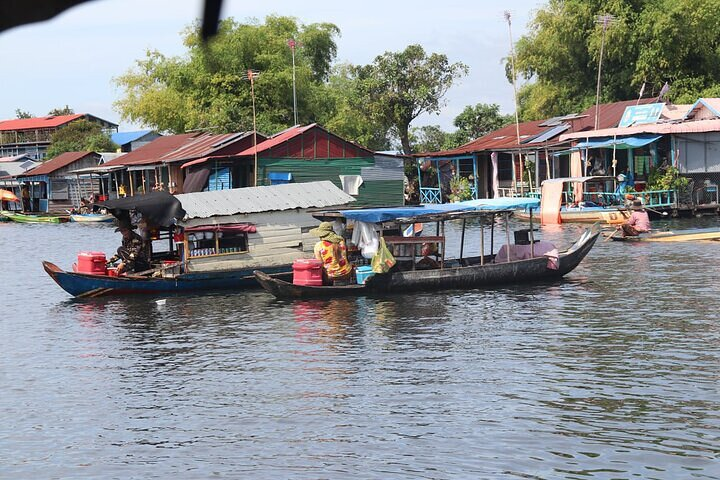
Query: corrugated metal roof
(50, 121)
(151, 152)
(121, 138)
(506, 137)
(281, 137)
(62, 160)
(700, 126)
(289, 196)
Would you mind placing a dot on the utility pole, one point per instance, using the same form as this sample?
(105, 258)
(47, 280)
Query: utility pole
(292, 44)
(517, 118)
(251, 75)
(604, 20)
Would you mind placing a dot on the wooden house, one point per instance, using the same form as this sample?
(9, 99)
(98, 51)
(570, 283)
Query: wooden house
(245, 228)
(53, 185)
(311, 153)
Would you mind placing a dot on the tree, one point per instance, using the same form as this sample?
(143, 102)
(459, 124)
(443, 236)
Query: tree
(649, 41)
(208, 87)
(398, 86)
(80, 136)
(347, 115)
(429, 138)
(23, 114)
(476, 121)
(61, 111)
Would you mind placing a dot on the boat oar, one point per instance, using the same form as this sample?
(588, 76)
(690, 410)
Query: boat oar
(662, 214)
(617, 230)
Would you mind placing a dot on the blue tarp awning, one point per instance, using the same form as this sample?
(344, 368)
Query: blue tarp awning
(620, 143)
(377, 215)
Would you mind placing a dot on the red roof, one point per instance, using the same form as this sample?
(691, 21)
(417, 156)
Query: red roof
(39, 122)
(62, 160)
(176, 148)
(294, 132)
(506, 137)
(151, 152)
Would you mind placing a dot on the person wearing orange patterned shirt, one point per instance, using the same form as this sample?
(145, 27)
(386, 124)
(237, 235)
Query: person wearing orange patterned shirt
(332, 252)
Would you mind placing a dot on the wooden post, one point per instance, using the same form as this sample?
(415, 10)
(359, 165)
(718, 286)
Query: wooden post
(482, 241)
(507, 234)
(462, 241)
(532, 237)
(442, 234)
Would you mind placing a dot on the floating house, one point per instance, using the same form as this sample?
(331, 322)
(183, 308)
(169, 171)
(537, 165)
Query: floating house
(55, 187)
(311, 153)
(32, 136)
(129, 141)
(246, 228)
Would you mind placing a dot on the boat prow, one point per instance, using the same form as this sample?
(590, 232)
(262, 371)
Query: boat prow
(690, 235)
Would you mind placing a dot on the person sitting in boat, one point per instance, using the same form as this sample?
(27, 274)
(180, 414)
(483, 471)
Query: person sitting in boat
(639, 221)
(84, 207)
(132, 253)
(332, 252)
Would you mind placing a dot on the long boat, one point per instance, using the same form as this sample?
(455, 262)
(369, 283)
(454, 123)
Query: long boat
(207, 240)
(689, 235)
(30, 218)
(512, 264)
(557, 207)
(91, 218)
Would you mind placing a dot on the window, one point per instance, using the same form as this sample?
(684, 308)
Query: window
(209, 241)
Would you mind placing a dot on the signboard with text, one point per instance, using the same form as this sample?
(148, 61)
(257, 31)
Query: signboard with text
(640, 114)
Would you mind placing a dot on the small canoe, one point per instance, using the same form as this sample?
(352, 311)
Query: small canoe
(91, 217)
(29, 218)
(690, 235)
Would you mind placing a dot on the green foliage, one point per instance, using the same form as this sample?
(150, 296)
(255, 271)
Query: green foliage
(80, 136)
(476, 121)
(429, 138)
(61, 111)
(399, 86)
(460, 189)
(208, 87)
(667, 178)
(650, 41)
(23, 114)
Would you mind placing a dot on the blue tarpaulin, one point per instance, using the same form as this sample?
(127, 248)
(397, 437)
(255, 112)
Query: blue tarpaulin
(620, 143)
(377, 215)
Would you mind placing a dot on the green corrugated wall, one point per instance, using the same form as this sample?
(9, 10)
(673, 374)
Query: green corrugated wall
(372, 193)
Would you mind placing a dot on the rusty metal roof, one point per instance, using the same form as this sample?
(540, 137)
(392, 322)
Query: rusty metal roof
(269, 198)
(151, 152)
(505, 139)
(62, 160)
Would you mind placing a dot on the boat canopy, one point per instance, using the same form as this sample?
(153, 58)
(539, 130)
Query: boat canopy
(157, 208)
(487, 205)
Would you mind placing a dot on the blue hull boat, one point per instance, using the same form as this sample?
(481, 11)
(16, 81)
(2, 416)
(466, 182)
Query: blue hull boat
(89, 285)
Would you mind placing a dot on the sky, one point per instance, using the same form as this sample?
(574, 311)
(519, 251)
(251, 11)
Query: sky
(73, 58)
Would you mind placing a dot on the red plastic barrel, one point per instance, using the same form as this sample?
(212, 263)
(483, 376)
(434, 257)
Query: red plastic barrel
(92, 263)
(307, 271)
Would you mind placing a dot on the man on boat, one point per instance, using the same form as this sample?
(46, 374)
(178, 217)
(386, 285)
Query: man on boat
(132, 253)
(332, 252)
(639, 221)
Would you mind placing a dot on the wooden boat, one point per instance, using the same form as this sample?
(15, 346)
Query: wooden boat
(690, 235)
(91, 217)
(606, 215)
(85, 285)
(592, 204)
(29, 218)
(460, 273)
(195, 248)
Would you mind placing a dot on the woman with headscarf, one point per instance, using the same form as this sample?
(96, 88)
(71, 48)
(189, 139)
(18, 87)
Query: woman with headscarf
(332, 252)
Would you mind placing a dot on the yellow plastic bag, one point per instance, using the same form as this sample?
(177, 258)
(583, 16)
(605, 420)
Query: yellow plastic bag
(383, 260)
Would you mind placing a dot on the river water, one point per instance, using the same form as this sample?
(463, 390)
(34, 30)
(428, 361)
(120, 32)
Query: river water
(612, 373)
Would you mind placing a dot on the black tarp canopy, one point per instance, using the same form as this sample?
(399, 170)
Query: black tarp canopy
(159, 209)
